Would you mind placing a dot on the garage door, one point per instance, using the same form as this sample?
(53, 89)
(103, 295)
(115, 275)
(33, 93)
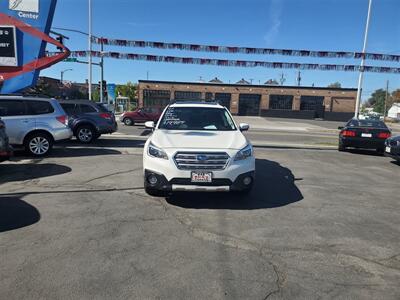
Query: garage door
(249, 104)
(315, 103)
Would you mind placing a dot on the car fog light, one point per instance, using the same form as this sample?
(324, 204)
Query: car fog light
(152, 179)
(247, 180)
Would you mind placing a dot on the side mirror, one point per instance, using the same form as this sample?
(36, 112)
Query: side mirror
(244, 127)
(149, 125)
(340, 128)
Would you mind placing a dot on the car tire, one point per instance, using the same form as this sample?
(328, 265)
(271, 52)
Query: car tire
(342, 148)
(154, 192)
(38, 144)
(86, 134)
(128, 122)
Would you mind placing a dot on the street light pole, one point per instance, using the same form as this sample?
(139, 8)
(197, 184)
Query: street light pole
(90, 49)
(361, 75)
(62, 74)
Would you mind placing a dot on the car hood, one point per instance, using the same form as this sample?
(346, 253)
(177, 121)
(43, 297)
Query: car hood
(181, 139)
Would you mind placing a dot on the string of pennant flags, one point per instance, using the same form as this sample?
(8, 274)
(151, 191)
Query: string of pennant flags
(246, 50)
(232, 63)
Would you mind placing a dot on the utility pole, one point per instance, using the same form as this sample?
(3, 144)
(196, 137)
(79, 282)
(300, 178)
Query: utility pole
(282, 79)
(361, 75)
(90, 50)
(386, 99)
(102, 75)
(299, 78)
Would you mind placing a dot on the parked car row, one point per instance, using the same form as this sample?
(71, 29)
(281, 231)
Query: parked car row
(369, 134)
(36, 124)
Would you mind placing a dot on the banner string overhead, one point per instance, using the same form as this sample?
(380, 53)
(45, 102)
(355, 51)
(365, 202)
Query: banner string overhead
(232, 63)
(246, 50)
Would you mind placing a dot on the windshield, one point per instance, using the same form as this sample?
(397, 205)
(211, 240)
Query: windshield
(367, 123)
(197, 118)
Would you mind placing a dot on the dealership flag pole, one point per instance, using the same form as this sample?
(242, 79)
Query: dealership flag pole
(361, 75)
(90, 50)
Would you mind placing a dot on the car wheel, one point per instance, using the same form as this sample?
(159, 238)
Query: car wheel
(129, 122)
(86, 134)
(38, 144)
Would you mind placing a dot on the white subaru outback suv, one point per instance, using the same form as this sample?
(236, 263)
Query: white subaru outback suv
(196, 146)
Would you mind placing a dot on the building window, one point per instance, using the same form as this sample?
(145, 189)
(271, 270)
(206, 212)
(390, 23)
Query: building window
(281, 102)
(224, 99)
(249, 104)
(209, 97)
(156, 98)
(311, 102)
(187, 95)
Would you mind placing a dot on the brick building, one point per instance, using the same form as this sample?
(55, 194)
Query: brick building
(256, 100)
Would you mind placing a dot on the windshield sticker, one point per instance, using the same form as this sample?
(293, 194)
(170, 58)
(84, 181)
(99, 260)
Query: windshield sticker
(171, 118)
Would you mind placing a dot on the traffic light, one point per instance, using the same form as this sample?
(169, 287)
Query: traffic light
(60, 39)
(105, 94)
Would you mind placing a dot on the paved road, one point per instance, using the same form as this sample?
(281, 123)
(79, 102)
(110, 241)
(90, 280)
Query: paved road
(319, 224)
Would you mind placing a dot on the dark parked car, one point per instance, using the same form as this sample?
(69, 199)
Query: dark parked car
(364, 134)
(88, 120)
(141, 115)
(393, 148)
(5, 148)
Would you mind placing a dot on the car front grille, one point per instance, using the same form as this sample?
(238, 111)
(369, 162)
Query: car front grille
(201, 161)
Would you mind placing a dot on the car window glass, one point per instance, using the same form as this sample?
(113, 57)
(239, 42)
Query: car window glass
(69, 108)
(196, 118)
(12, 108)
(39, 107)
(87, 109)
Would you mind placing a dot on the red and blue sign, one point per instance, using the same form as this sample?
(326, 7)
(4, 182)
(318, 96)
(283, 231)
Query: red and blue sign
(24, 33)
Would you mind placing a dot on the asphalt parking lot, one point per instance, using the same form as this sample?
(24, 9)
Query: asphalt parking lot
(319, 224)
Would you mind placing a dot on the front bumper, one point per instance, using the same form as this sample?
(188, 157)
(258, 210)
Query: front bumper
(185, 185)
(394, 152)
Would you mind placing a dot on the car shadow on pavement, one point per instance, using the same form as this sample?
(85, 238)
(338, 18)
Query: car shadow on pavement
(65, 151)
(274, 187)
(113, 142)
(15, 213)
(30, 171)
(364, 152)
(396, 162)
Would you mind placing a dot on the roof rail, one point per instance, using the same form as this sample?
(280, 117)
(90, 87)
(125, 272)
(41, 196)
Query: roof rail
(199, 101)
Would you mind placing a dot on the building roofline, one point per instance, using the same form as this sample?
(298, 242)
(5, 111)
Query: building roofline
(247, 85)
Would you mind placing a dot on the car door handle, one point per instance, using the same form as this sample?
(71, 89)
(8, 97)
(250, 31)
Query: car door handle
(25, 121)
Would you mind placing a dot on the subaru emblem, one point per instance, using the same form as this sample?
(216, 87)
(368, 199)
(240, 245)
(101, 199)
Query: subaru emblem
(201, 157)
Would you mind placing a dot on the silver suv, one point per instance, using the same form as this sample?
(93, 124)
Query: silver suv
(35, 123)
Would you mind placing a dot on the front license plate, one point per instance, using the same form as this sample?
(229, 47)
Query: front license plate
(201, 177)
(366, 135)
(388, 149)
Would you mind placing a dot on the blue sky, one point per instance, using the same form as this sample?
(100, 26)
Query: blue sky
(289, 24)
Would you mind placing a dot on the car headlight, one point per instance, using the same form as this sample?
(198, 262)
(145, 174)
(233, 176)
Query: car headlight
(156, 152)
(246, 152)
